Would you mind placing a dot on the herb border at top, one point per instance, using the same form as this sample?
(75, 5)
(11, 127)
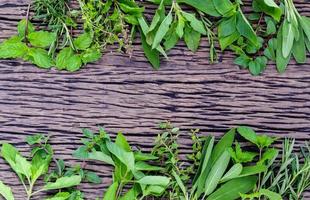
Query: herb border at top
(272, 31)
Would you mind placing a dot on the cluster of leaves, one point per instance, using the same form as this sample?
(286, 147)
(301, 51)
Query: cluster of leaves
(227, 171)
(132, 169)
(166, 30)
(31, 45)
(62, 180)
(111, 22)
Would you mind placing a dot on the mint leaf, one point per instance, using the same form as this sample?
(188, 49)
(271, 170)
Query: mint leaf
(62, 58)
(91, 55)
(21, 28)
(40, 58)
(74, 63)
(83, 41)
(41, 39)
(13, 48)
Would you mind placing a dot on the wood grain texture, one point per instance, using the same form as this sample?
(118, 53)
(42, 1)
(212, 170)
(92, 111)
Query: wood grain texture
(125, 94)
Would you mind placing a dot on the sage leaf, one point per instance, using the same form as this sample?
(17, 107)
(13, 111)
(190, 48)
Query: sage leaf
(6, 191)
(252, 170)
(287, 38)
(233, 172)
(299, 49)
(63, 182)
(216, 173)
(231, 190)
(281, 61)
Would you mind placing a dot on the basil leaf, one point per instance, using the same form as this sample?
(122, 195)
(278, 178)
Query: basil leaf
(287, 38)
(196, 24)
(217, 172)
(205, 6)
(63, 182)
(245, 29)
(224, 7)
(162, 30)
(269, 7)
(151, 54)
(6, 192)
(233, 172)
(110, 194)
(191, 38)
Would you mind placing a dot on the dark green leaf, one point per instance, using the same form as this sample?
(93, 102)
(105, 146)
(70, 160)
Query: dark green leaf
(191, 38)
(42, 39)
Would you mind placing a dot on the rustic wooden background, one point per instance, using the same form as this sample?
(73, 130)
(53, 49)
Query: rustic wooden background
(124, 94)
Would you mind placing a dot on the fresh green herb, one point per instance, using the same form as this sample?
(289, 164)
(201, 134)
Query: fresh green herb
(131, 168)
(29, 172)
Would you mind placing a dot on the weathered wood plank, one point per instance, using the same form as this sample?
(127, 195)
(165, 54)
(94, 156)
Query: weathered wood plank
(126, 94)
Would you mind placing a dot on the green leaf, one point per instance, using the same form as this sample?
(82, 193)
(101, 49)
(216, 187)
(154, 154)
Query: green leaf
(231, 190)
(13, 48)
(225, 142)
(252, 170)
(100, 156)
(287, 38)
(242, 61)
(40, 58)
(9, 153)
(205, 6)
(216, 173)
(299, 49)
(196, 24)
(305, 24)
(63, 182)
(158, 17)
(204, 166)
(171, 38)
(143, 166)
(227, 26)
(281, 61)
(60, 196)
(191, 38)
(92, 177)
(240, 156)
(122, 142)
(83, 41)
(271, 195)
(6, 192)
(134, 10)
(151, 54)
(139, 156)
(127, 158)
(180, 26)
(233, 172)
(42, 39)
(264, 141)
(269, 7)
(21, 28)
(268, 155)
(224, 7)
(154, 180)
(245, 29)
(131, 194)
(110, 194)
(248, 134)
(226, 41)
(162, 30)
(66, 59)
(90, 55)
(258, 65)
(22, 166)
(179, 182)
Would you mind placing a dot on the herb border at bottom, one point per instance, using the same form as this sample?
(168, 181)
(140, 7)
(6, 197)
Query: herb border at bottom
(241, 165)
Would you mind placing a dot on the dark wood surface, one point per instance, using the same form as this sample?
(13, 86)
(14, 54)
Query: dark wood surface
(125, 94)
